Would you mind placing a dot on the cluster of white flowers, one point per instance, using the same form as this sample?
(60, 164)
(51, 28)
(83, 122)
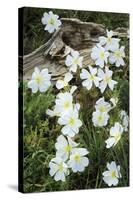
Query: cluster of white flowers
(100, 78)
(100, 117)
(69, 156)
(108, 51)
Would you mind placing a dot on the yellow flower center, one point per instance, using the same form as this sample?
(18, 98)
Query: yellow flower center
(66, 104)
(77, 157)
(68, 148)
(91, 77)
(113, 174)
(38, 79)
(102, 108)
(102, 55)
(117, 137)
(71, 121)
(118, 54)
(75, 61)
(61, 167)
(52, 21)
(109, 40)
(65, 83)
(100, 119)
(107, 79)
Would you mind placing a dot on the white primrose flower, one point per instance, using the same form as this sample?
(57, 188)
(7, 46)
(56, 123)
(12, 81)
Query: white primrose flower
(100, 118)
(74, 61)
(73, 89)
(58, 169)
(78, 161)
(106, 79)
(63, 103)
(90, 77)
(114, 101)
(76, 106)
(40, 80)
(100, 55)
(54, 112)
(51, 21)
(64, 147)
(115, 135)
(125, 123)
(112, 175)
(125, 119)
(108, 42)
(102, 105)
(50, 112)
(63, 83)
(71, 123)
(116, 57)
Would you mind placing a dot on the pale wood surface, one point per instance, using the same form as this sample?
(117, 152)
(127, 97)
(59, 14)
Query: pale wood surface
(73, 34)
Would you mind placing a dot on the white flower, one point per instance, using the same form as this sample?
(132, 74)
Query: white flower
(111, 177)
(58, 169)
(108, 42)
(114, 101)
(73, 61)
(71, 123)
(76, 106)
(117, 57)
(64, 147)
(63, 103)
(125, 119)
(99, 55)
(54, 112)
(122, 114)
(90, 77)
(106, 79)
(102, 105)
(78, 161)
(115, 135)
(50, 112)
(100, 118)
(40, 80)
(73, 88)
(63, 83)
(51, 21)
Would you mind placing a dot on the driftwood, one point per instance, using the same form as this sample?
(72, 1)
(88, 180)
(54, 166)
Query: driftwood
(73, 34)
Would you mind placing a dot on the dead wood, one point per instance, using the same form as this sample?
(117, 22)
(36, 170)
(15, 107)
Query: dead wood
(73, 34)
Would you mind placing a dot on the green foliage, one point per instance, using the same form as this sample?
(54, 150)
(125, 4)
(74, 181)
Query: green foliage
(35, 106)
(40, 133)
(124, 95)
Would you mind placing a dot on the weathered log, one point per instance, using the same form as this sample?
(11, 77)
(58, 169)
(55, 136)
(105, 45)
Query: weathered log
(73, 34)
